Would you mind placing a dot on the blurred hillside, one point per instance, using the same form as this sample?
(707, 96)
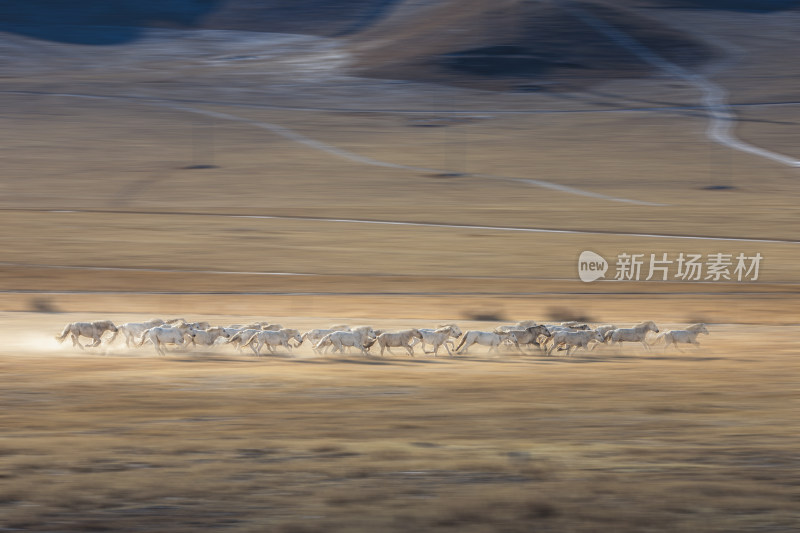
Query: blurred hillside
(510, 44)
(487, 44)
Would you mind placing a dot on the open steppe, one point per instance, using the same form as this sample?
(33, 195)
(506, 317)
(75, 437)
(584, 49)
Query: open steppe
(376, 165)
(619, 440)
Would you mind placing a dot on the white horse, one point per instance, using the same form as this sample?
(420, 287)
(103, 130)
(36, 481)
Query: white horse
(438, 337)
(240, 337)
(528, 336)
(604, 331)
(207, 337)
(522, 324)
(637, 333)
(314, 336)
(93, 330)
(686, 336)
(344, 339)
(272, 339)
(574, 339)
(132, 330)
(160, 336)
(484, 338)
(398, 339)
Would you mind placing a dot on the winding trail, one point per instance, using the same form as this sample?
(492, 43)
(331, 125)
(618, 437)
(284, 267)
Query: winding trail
(344, 154)
(351, 156)
(721, 117)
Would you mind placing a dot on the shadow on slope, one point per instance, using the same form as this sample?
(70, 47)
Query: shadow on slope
(512, 44)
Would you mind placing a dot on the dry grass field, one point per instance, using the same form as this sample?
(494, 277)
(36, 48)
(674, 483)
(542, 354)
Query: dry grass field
(611, 440)
(364, 168)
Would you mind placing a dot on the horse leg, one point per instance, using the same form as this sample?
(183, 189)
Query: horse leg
(409, 349)
(255, 348)
(446, 347)
(91, 344)
(76, 341)
(97, 340)
(465, 349)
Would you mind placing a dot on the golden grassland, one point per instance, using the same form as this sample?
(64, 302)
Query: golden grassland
(619, 440)
(610, 440)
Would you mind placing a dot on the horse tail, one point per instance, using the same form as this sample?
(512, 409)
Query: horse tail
(144, 336)
(463, 340)
(322, 342)
(67, 328)
(249, 340)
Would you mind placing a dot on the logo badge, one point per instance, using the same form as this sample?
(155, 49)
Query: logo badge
(591, 266)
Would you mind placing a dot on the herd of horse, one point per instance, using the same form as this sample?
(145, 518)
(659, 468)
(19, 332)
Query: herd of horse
(546, 338)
